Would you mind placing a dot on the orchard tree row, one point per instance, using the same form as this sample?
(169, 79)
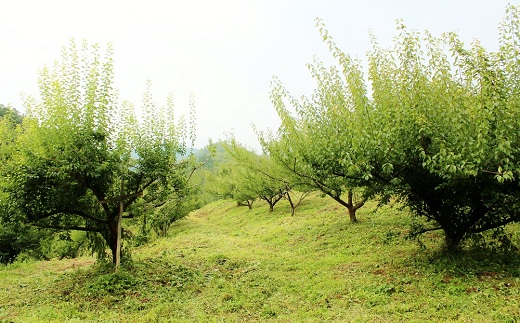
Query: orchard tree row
(245, 177)
(434, 124)
(430, 123)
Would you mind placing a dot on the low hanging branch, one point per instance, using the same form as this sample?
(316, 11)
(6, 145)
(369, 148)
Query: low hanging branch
(122, 197)
(77, 228)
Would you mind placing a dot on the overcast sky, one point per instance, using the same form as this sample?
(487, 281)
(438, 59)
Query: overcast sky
(224, 51)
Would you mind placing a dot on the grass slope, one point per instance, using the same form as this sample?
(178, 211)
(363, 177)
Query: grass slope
(228, 264)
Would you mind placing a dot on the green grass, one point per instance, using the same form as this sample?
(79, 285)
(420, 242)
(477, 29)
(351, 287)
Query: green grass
(228, 264)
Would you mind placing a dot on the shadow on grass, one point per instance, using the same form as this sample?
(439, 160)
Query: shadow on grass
(479, 261)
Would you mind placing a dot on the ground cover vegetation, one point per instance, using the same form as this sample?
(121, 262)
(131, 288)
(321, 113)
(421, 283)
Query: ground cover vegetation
(229, 263)
(424, 150)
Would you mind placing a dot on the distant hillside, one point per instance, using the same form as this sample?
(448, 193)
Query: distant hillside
(17, 116)
(213, 158)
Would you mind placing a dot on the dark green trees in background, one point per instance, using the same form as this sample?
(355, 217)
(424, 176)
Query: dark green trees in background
(15, 236)
(436, 127)
(13, 114)
(82, 159)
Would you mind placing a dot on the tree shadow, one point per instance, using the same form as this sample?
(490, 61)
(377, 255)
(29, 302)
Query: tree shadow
(476, 261)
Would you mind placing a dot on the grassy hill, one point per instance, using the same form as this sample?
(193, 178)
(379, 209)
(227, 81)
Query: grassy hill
(227, 264)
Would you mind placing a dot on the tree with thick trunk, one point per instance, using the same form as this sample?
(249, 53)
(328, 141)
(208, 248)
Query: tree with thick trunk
(77, 144)
(438, 129)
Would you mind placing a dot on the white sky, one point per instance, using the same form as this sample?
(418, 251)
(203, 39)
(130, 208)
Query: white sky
(224, 51)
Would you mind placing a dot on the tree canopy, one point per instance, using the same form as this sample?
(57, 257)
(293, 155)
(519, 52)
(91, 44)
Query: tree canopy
(435, 126)
(82, 158)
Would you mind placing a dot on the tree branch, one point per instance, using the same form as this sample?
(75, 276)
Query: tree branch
(122, 197)
(65, 228)
(99, 195)
(426, 230)
(360, 204)
(85, 215)
(73, 212)
(195, 168)
(494, 225)
(160, 204)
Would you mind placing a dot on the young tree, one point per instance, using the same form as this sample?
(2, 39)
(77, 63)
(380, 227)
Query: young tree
(159, 208)
(83, 158)
(229, 181)
(257, 174)
(311, 144)
(274, 181)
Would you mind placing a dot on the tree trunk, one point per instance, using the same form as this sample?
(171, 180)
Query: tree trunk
(247, 203)
(452, 241)
(454, 230)
(352, 213)
(118, 237)
(112, 239)
(291, 203)
(351, 207)
(269, 201)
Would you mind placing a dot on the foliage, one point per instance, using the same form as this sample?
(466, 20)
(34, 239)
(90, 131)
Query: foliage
(81, 155)
(207, 161)
(18, 238)
(229, 179)
(9, 130)
(257, 174)
(311, 145)
(446, 129)
(15, 237)
(437, 130)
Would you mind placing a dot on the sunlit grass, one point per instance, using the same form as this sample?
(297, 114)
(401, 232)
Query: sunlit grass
(229, 264)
